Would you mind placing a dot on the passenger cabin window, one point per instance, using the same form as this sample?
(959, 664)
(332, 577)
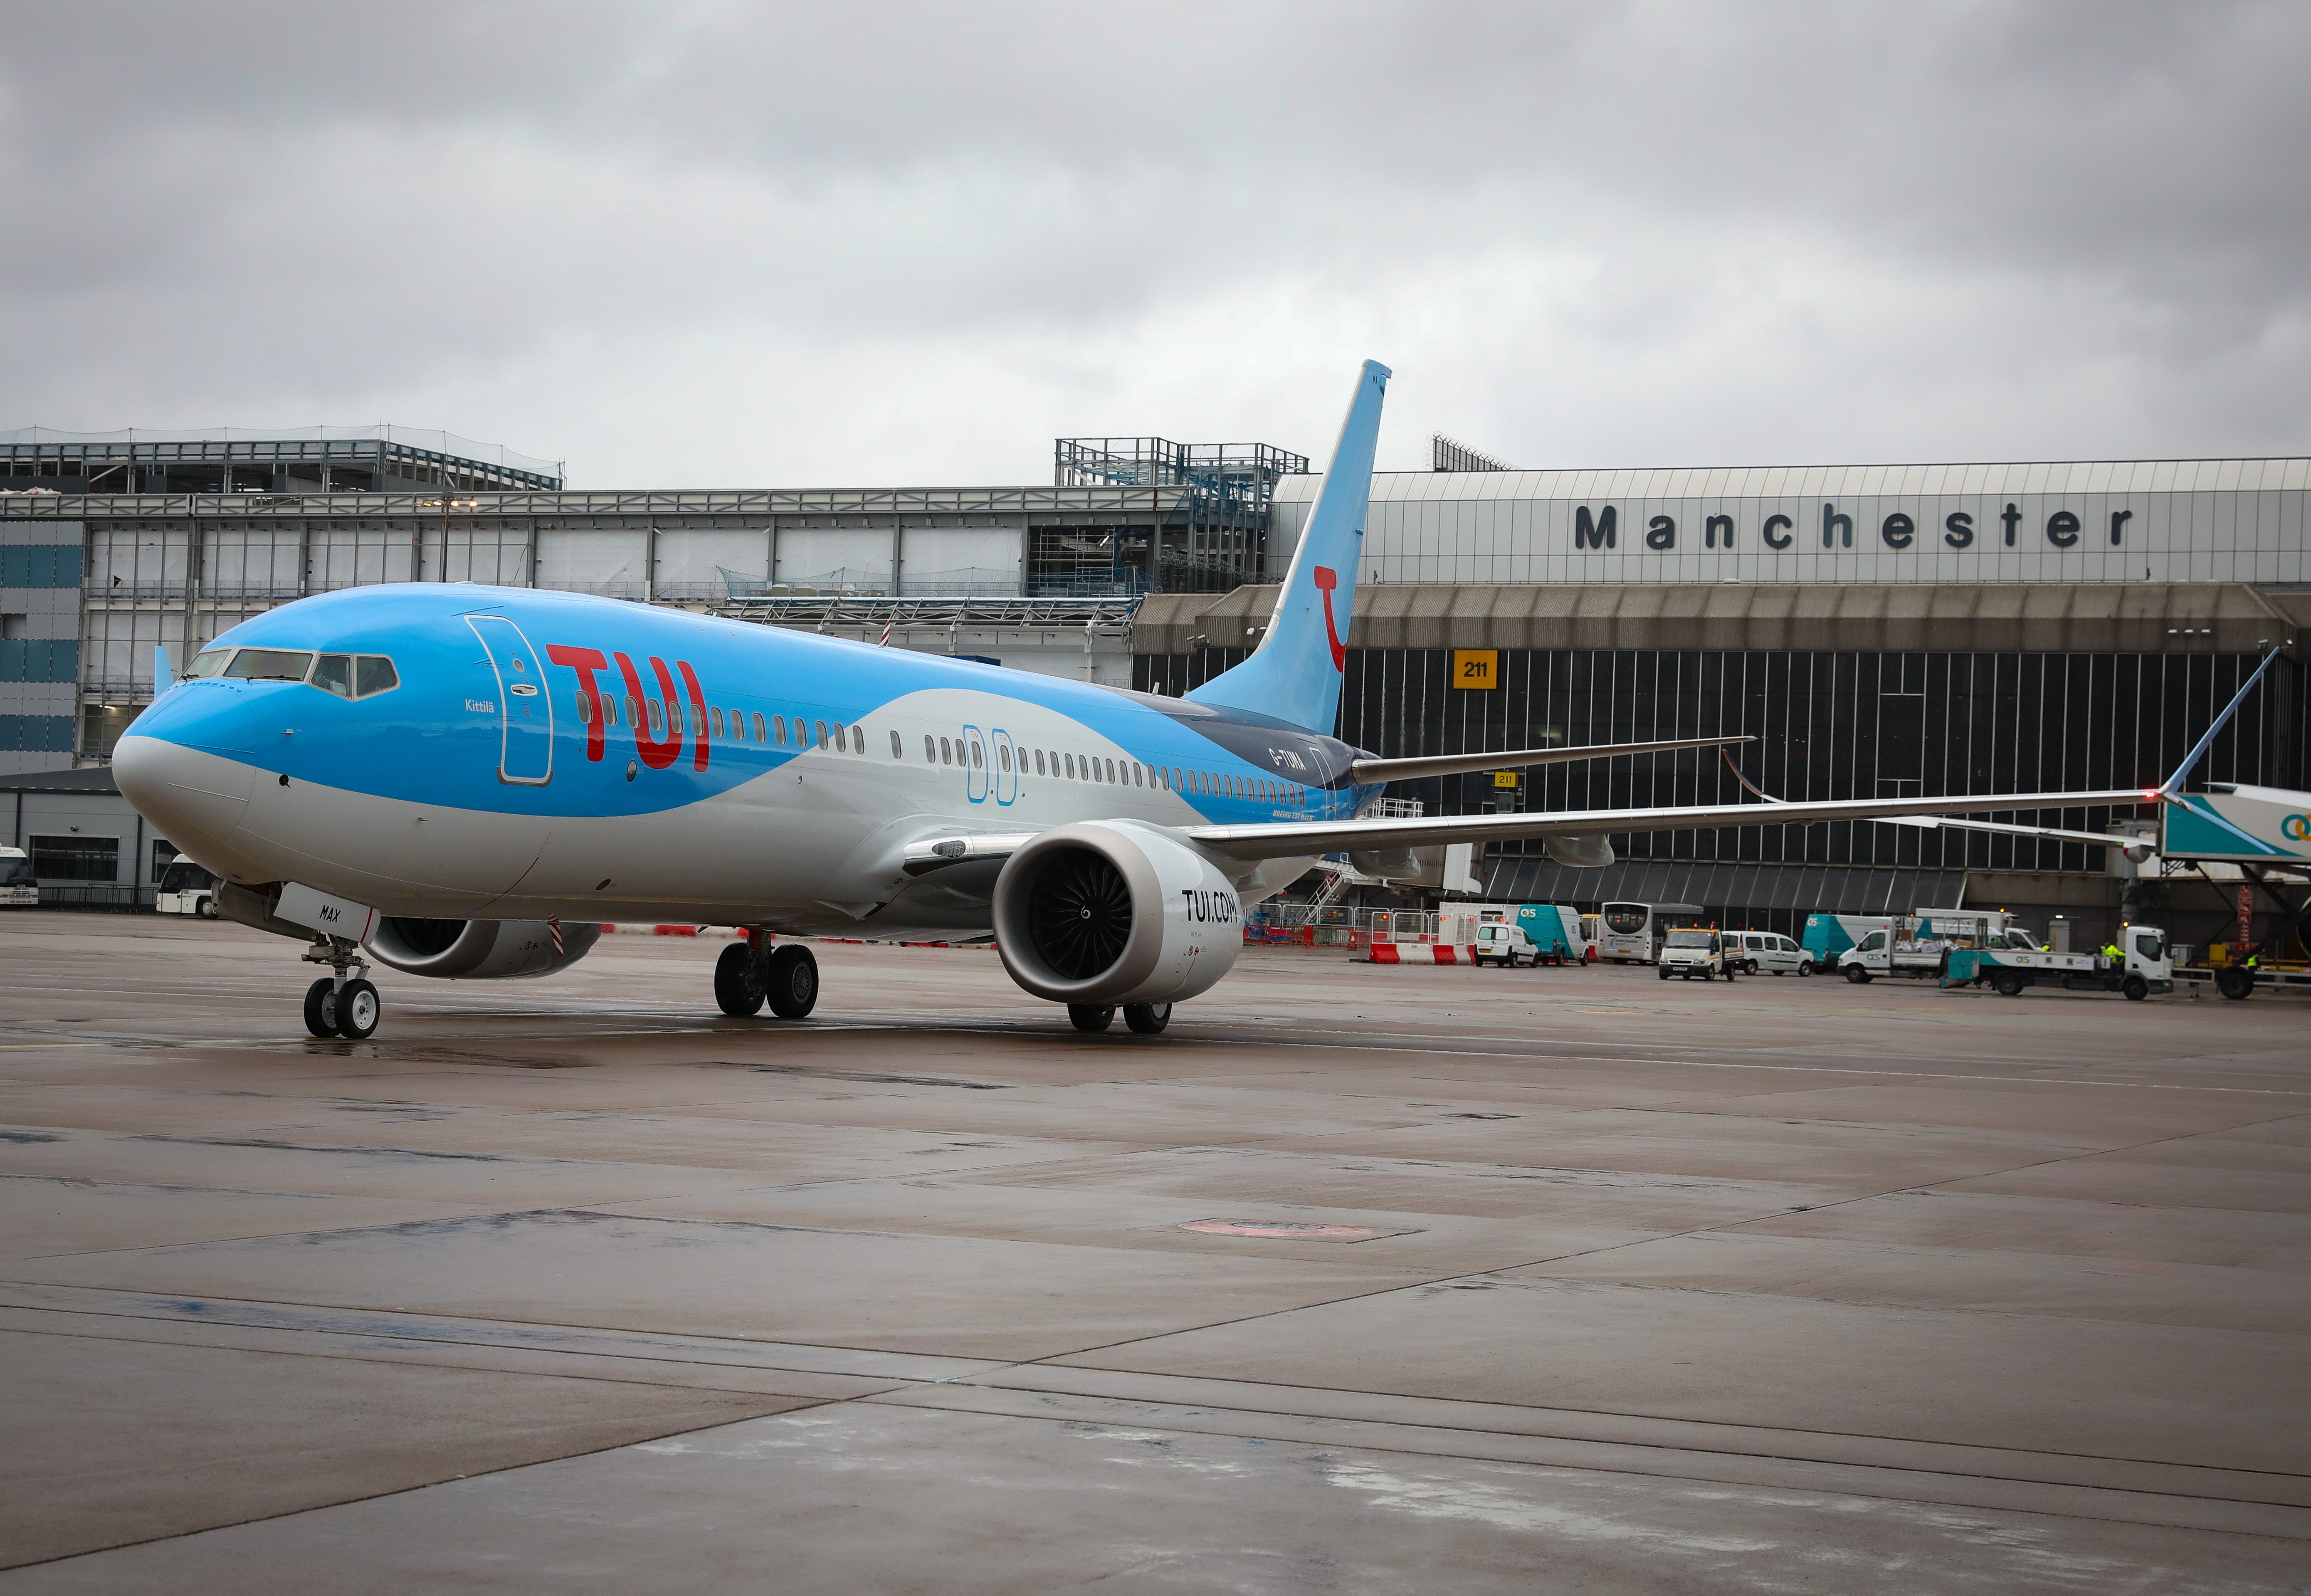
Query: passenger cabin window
(822, 734)
(760, 728)
(1039, 762)
(208, 662)
(656, 725)
(946, 752)
(930, 750)
(269, 665)
(334, 672)
(1002, 756)
(779, 729)
(978, 754)
(716, 722)
(898, 749)
(585, 710)
(858, 739)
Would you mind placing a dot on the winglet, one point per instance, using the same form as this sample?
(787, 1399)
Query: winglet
(2168, 789)
(1296, 671)
(163, 678)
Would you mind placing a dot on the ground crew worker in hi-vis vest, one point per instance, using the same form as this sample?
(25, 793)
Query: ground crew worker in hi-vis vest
(2110, 952)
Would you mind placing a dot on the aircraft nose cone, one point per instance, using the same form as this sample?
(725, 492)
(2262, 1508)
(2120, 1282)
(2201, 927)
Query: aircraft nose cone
(194, 798)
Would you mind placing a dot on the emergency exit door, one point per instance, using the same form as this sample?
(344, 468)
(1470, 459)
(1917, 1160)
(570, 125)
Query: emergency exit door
(525, 707)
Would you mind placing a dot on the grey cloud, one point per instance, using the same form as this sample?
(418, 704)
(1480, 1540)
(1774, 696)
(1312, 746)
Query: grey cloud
(287, 205)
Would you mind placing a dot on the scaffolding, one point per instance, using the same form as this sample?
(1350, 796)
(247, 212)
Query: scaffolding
(1220, 542)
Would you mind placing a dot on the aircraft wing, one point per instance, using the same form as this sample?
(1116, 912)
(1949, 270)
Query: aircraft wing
(1288, 839)
(1368, 770)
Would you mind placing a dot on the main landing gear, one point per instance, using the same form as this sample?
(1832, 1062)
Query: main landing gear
(752, 973)
(335, 1005)
(1145, 1018)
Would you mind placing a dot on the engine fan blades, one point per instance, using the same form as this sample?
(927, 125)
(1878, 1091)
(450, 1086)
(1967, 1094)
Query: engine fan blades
(1081, 915)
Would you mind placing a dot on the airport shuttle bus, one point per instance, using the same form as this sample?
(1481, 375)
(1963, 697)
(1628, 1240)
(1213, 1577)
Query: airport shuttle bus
(18, 889)
(1633, 933)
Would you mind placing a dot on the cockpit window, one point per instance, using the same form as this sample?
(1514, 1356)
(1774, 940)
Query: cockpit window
(334, 672)
(208, 662)
(269, 665)
(375, 674)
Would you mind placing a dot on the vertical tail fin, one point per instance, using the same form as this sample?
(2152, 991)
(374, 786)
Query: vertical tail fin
(1296, 671)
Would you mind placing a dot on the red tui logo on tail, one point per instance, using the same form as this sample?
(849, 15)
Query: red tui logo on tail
(1327, 579)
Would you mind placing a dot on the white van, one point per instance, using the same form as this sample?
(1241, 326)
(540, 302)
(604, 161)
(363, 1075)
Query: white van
(18, 889)
(1769, 953)
(1695, 950)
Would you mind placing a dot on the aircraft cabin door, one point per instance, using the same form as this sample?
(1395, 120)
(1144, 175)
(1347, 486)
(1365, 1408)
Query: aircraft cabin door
(975, 772)
(525, 707)
(1006, 774)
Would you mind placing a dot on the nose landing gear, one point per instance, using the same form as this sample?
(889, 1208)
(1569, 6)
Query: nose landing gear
(335, 1005)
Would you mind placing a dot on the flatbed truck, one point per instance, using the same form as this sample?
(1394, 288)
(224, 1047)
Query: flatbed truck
(2141, 969)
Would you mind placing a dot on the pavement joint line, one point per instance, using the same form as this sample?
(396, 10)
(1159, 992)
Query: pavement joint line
(1883, 1482)
(1012, 1376)
(353, 1498)
(1565, 1425)
(793, 1358)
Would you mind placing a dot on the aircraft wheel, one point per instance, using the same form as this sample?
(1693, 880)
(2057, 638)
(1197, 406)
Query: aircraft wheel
(1090, 1017)
(2234, 982)
(359, 1008)
(790, 981)
(321, 1008)
(738, 986)
(1147, 1019)
(2135, 988)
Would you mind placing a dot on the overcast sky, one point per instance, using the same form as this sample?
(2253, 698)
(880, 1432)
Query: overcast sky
(723, 244)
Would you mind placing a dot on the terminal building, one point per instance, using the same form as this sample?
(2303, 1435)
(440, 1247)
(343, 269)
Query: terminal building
(1888, 629)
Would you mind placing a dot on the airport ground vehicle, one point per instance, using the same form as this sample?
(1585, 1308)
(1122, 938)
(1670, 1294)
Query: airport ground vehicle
(1555, 932)
(2141, 969)
(1633, 933)
(186, 888)
(1914, 944)
(1695, 950)
(1768, 952)
(1502, 942)
(18, 887)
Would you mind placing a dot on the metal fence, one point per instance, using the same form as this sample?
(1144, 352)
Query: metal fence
(98, 898)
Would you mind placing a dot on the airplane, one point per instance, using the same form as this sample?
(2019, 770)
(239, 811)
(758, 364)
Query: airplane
(466, 781)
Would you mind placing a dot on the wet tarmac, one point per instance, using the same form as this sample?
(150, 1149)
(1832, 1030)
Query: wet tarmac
(1357, 1280)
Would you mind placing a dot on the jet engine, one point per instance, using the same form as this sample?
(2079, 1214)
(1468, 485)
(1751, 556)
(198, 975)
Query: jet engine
(1581, 853)
(1113, 911)
(480, 949)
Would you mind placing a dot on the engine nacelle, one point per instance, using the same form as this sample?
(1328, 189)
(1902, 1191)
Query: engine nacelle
(479, 949)
(1111, 911)
(1582, 853)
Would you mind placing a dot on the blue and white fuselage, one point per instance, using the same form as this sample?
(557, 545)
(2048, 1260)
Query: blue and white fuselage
(541, 754)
